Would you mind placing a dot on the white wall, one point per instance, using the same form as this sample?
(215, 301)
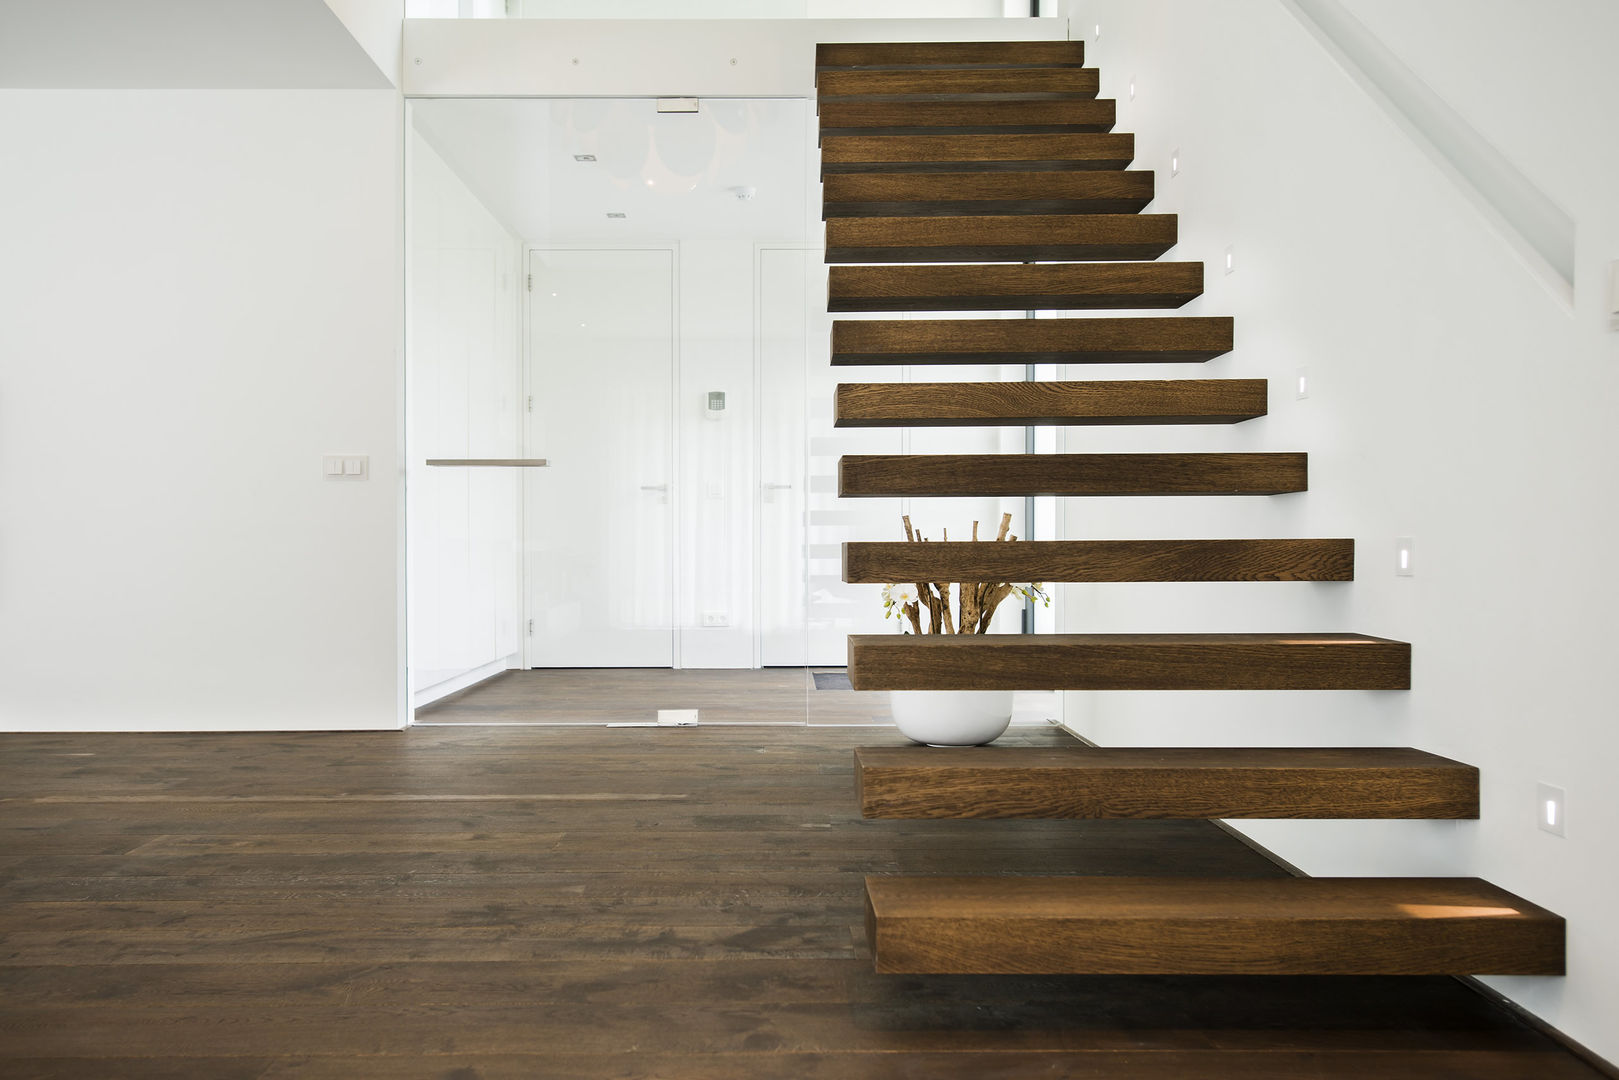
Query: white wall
(203, 44)
(200, 299)
(464, 286)
(1453, 398)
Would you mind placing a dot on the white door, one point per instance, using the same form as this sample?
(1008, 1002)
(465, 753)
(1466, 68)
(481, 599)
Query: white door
(598, 519)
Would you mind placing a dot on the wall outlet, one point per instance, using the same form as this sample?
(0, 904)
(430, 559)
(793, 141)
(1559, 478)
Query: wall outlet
(715, 618)
(1549, 809)
(677, 717)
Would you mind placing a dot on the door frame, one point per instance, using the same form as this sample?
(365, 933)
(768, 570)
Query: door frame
(528, 390)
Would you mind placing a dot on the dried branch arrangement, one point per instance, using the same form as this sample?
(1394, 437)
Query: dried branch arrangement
(977, 599)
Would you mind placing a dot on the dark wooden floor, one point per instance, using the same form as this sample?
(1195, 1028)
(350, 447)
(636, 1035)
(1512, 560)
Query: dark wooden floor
(779, 695)
(468, 903)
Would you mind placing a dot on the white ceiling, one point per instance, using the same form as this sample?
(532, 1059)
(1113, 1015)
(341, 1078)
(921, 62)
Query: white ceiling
(673, 174)
(180, 44)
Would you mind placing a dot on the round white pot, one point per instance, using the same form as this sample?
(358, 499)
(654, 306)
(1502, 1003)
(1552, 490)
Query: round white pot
(951, 717)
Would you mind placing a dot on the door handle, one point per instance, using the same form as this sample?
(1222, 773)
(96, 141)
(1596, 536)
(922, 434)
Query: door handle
(654, 487)
(776, 487)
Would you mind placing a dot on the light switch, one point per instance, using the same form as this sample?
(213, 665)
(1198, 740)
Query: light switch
(346, 466)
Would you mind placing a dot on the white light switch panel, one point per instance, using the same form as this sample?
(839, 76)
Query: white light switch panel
(346, 466)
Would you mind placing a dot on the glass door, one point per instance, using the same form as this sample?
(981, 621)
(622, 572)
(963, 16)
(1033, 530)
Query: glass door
(600, 540)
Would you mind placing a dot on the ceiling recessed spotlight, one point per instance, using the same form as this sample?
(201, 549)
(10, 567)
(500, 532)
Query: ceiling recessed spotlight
(616, 214)
(584, 157)
(651, 182)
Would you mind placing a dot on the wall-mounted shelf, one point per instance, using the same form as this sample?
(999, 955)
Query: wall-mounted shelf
(515, 463)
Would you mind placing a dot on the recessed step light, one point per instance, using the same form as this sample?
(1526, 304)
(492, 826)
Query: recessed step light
(584, 157)
(616, 214)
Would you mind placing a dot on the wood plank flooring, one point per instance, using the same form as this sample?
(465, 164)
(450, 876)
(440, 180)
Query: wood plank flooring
(485, 903)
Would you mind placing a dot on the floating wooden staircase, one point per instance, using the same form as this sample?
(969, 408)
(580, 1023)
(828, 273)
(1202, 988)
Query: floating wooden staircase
(1208, 926)
(1103, 560)
(1162, 782)
(1099, 340)
(985, 176)
(904, 194)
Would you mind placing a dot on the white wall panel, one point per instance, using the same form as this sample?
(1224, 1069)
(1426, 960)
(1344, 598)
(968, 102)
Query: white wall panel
(200, 298)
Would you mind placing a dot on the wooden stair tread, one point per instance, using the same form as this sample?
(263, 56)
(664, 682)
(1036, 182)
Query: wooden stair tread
(888, 475)
(1101, 560)
(911, 194)
(997, 287)
(1147, 340)
(1012, 238)
(966, 117)
(998, 152)
(1026, 404)
(1168, 782)
(954, 84)
(899, 55)
(1206, 926)
(1128, 662)
(899, 196)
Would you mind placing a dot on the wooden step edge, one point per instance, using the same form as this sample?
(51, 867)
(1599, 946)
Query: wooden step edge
(990, 238)
(1002, 287)
(1146, 340)
(972, 80)
(1308, 661)
(1053, 404)
(1003, 152)
(1208, 926)
(990, 475)
(927, 55)
(1019, 83)
(1077, 116)
(868, 562)
(918, 782)
(1008, 212)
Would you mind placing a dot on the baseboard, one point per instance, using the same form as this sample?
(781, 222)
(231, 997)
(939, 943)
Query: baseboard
(1586, 1055)
(439, 692)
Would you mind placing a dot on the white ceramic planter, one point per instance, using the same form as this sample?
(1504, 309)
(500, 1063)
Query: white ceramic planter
(951, 717)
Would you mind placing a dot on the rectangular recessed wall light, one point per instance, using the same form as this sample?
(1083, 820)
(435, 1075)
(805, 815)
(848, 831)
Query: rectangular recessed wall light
(1549, 809)
(1405, 556)
(616, 214)
(584, 157)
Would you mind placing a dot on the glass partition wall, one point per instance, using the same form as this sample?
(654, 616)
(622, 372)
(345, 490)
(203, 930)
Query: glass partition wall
(622, 491)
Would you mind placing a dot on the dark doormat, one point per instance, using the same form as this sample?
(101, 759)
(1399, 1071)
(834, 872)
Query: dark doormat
(832, 680)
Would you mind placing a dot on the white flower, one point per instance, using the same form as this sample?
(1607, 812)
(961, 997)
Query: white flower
(897, 596)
